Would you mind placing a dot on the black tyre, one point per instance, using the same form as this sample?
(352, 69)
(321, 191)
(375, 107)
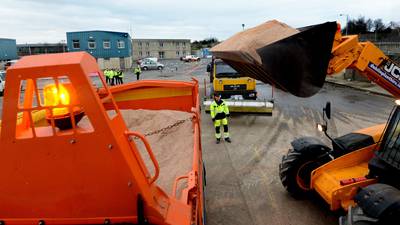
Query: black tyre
(296, 167)
(380, 201)
(160, 68)
(145, 68)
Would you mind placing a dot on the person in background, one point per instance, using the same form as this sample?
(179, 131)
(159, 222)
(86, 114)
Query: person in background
(107, 75)
(113, 76)
(219, 114)
(137, 71)
(120, 77)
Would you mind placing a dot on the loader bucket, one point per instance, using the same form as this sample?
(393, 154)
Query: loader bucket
(294, 60)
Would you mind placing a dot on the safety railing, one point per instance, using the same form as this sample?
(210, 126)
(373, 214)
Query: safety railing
(149, 151)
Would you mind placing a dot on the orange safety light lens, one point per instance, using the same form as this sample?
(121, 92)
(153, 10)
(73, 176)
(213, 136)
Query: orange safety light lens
(56, 96)
(60, 96)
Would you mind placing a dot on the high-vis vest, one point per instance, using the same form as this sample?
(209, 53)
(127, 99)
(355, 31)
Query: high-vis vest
(107, 73)
(137, 70)
(220, 111)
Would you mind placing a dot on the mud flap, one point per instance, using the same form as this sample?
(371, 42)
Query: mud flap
(295, 61)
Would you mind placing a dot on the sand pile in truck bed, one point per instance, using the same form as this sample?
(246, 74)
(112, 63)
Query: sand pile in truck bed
(172, 147)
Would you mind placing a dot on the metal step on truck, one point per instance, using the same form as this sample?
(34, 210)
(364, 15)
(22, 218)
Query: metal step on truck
(74, 151)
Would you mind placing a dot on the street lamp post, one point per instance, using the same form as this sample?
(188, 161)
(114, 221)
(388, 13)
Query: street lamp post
(347, 21)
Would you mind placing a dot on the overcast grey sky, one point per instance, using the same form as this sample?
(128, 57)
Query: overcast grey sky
(33, 21)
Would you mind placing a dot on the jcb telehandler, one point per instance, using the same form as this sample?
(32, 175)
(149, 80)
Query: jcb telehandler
(361, 171)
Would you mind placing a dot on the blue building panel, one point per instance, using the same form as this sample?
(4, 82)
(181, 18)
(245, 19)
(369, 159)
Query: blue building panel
(100, 44)
(8, 49)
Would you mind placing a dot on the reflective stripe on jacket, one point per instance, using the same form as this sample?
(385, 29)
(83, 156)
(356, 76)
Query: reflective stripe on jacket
(220, 111)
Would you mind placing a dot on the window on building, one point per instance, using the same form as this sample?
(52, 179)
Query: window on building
(161, 44)
(120, 44)
(184, 53)
(161, 55)
(91, 44)
(106, 44)
(147, 53)
(177, 53)
(140, 54)
(76, 44)
(177, 44)
(147, 44)
(184, 43)
(140, 44)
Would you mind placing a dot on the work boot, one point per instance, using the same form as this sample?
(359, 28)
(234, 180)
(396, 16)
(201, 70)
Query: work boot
(218, 140)
(228, 140)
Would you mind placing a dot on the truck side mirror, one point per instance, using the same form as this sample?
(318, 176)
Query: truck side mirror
(209, 67)
(327, 110)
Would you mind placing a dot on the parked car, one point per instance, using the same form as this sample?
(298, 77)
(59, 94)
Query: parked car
(151, 65)
(2, 81)
(190, 58)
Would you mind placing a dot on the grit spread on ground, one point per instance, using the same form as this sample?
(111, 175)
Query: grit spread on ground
(243, 185)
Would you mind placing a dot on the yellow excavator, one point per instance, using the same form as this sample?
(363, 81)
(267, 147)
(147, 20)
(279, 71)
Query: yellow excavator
(360, 172)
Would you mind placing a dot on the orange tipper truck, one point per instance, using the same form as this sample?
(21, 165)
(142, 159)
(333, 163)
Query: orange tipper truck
(67, 155)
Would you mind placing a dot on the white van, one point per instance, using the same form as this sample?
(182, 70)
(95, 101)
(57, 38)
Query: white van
(2, 81)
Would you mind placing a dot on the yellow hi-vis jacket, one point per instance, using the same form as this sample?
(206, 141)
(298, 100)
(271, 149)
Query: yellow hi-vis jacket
(219, 111)
(137, 70)
(106, 73)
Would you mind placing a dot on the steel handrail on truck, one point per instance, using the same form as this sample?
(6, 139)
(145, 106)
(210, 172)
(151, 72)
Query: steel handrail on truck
(149, 151)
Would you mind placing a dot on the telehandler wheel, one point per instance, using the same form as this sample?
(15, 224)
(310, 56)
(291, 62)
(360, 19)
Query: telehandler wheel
(380, 201)
(356, 216)
(296, 167)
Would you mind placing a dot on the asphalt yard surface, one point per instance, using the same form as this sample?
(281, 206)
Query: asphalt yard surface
(243, 185)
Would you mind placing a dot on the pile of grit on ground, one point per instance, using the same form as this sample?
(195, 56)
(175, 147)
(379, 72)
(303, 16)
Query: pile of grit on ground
(172, 147)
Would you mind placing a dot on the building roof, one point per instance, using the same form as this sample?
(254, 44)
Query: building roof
(165, 39)
(42, 45)
(97, 31)
(7, 39)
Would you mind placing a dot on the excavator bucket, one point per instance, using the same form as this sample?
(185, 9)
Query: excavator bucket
(294, 60)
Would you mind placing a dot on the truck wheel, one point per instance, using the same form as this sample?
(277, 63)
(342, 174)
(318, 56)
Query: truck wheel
(160, 68)
(380, 201)
(145, 68)
(296, 167)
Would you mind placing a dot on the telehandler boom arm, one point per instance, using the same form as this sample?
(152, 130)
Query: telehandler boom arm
(348, 52)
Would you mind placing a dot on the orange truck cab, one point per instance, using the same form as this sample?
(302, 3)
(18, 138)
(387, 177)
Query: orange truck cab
(54, 170)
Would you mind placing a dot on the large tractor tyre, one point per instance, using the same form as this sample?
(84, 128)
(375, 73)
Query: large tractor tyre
(356, 216)
(297, 165)
(380, 201)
